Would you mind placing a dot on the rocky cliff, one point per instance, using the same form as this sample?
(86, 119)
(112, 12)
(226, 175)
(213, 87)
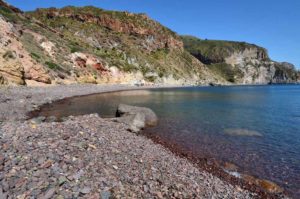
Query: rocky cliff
(240, 62)
(92, 45)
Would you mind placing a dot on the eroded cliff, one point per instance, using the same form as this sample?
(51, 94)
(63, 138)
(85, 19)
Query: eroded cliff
(240, 62)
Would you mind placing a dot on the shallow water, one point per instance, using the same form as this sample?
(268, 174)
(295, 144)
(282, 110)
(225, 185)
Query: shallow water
(256, 128)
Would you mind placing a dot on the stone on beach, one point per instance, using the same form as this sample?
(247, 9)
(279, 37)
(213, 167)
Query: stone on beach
(135, 122)
(136, 117)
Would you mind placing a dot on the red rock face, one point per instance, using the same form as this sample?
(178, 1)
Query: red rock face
(99, 67)
(161, 38)
(38, 74)
(80, 62)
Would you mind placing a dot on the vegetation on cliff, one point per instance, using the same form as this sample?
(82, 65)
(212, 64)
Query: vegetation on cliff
(239, 62)
(215, 51)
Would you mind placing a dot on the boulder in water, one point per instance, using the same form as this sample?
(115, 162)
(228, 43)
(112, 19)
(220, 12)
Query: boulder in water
(136, 117)
(150, 117)
(135, 122)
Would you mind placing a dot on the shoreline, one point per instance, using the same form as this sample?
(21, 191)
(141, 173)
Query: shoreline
(216, 168)
(31, 99)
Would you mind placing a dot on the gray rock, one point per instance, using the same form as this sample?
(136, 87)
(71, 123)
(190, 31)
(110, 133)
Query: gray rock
(2, 195)
(49, 194)
(150, 117)
(62, 180)
(85, 190)
(105, 195)
(135, 122)
(51, 119)
(38, 120)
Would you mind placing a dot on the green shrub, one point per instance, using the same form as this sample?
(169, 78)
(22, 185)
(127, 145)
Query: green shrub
(52, 65)
(160, 53)
(151, 78)
(227, 71)
(6, 10)
(128, 68)
(35, 56)
(75, 49)
(215, 51)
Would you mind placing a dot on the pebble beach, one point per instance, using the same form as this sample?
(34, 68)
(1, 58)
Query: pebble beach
(90, 157)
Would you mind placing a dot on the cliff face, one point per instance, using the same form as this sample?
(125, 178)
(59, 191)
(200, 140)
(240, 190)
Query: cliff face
(91, 45)
(139, 25)
(16, 64)
(240, 62)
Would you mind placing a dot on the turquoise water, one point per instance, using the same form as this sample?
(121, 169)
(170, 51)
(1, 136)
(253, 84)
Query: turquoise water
(256, 128)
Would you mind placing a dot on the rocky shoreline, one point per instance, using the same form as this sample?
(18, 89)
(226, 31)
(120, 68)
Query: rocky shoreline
(91, 157)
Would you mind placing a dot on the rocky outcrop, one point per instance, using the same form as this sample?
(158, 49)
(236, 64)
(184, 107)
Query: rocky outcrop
(16, 64)
(81, 60)
(136, 117)
(259, 70)
(240, 62)
(37, 73)
(12, 73)
(48, 46)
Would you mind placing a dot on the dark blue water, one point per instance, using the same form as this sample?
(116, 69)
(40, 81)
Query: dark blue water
(256, 128)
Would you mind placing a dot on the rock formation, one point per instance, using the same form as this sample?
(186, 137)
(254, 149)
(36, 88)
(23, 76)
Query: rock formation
(240, 62)
(16, 64)
(136, 117)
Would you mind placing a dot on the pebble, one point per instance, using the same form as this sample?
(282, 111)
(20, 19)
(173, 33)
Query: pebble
(62, 180)
(85, 190)
(49, 194)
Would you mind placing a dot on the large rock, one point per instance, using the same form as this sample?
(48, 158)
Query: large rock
(136, 117)
(37, 73)
(135, 122)
(150, 116)
(13, 72)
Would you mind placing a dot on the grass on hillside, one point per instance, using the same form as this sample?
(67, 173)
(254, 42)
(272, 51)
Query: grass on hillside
(215, 51)
(226, 71)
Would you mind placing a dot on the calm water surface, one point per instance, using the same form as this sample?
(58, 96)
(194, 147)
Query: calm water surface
(209, 122)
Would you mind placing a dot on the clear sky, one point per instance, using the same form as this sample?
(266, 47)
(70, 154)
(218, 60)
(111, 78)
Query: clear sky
(273, 24)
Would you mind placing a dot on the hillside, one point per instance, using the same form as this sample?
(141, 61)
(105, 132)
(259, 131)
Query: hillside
(91, 45)
(240, 62)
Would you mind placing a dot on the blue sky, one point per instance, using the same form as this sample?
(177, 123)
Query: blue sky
(273, 24)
